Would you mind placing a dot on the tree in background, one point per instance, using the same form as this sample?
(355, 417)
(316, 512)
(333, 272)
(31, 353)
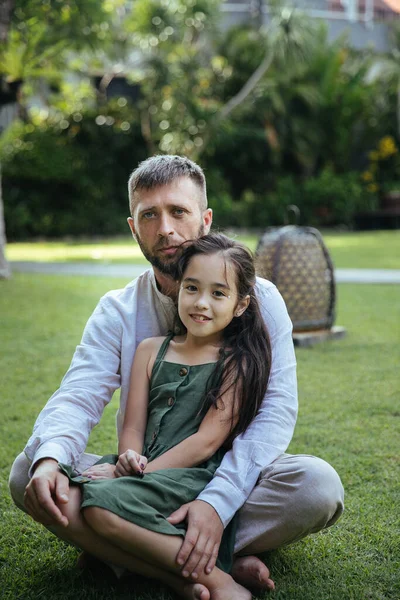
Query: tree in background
(385, 73)
(36, 39)
(179, 72)
(263, 109)
(183, 75)
(171, 50)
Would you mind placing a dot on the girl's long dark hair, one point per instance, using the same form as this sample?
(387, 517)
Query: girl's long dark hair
(245, 356)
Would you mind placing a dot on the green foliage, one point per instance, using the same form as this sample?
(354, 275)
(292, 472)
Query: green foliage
(241, 154)
(178, 72)
(383, 173)
(20, 58)
(299, 136)
(346, 97)
(333, 198)
(244, 48)
(43, 33)
(78, 23)
(312, 112)
(325, 200)
(66, 174)
(85, 160)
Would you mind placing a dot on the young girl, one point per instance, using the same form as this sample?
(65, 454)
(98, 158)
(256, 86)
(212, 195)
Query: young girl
(190, 395)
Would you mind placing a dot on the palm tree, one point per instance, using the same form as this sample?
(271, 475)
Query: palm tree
(316, 108)
(289, 38)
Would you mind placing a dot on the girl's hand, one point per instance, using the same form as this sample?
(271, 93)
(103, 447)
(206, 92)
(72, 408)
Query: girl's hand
(130, 463)
(103, 471)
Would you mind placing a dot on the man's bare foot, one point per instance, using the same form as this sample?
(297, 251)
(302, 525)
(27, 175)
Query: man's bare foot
(251, 572)
(195, 591)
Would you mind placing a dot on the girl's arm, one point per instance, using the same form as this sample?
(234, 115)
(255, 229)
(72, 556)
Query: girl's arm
(132, 435)
(130, 461)
(199, 447)
(135, 420)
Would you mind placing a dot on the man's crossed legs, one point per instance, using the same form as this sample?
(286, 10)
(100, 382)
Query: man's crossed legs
(296, 495)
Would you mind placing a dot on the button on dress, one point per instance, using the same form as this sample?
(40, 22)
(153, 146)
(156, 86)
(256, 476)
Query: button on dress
(174, 413)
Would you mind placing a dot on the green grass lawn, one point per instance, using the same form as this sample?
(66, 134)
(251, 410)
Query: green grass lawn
(372, 250)
(349, 415)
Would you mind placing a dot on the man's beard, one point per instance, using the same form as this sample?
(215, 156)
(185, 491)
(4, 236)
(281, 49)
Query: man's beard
(166, 267)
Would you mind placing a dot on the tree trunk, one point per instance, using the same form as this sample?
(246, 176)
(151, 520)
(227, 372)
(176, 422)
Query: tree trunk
(248, 86)
(6, 10)
(4, 266)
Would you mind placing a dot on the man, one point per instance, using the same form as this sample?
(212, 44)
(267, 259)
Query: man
(281, 497)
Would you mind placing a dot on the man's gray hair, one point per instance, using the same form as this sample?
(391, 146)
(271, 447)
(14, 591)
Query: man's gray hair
(163, 169)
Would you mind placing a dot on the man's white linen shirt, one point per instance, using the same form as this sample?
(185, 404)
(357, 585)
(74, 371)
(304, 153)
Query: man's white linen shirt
(102, 363)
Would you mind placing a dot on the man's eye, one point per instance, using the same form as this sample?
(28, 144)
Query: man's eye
(179, 211)
(148, 215)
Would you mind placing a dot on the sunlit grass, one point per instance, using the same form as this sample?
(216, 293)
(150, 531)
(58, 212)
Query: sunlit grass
(108, 250)
(373, 250)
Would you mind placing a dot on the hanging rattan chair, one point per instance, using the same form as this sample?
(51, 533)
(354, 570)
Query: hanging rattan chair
(297, 261)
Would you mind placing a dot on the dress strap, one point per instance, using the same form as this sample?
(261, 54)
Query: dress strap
(163, 348)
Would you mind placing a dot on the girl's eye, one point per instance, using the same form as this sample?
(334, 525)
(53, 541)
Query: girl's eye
(219, 294)
(191, 288)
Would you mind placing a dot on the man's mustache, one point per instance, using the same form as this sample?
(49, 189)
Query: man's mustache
(165, 243)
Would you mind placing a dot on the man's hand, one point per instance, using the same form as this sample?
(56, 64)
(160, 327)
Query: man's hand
(47, 488)
(199, 550)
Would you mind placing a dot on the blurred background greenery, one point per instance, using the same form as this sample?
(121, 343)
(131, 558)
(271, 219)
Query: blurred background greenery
(276, 114)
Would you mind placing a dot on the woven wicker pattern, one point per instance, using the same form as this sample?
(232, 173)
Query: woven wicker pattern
(296, 260)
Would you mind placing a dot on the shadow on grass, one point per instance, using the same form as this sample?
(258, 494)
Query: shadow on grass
(70, 583)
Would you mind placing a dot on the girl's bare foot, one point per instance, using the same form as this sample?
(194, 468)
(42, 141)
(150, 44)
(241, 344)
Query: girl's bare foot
(251, 572)
(195, 591)
(230, 590)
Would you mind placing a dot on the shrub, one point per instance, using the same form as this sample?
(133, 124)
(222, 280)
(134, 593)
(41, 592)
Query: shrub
(383, 173)
(67, 174)
(326, 200)
(332, 199)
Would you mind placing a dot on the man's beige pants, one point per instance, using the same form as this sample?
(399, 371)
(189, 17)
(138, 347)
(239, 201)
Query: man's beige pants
(296, 495)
